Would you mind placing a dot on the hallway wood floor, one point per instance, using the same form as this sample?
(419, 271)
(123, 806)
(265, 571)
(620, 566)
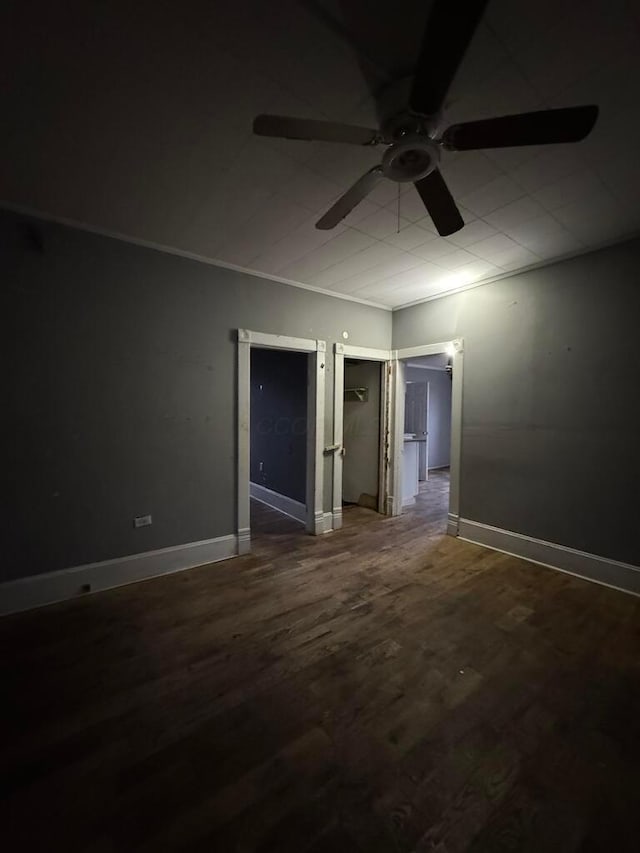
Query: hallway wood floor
(383, 688)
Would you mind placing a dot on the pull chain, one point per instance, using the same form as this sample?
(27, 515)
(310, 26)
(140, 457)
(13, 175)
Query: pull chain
(398, 207)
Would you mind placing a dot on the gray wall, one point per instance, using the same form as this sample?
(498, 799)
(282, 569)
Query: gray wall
(439, 419)
(550, 400)
(120, 397)
(279, 421)
(361, 438)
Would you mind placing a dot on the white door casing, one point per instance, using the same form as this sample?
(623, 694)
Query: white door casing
(315, 426)
(342, 351)
(455, 348)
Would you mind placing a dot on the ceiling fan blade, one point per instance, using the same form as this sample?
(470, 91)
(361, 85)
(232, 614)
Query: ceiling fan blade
(570, 124)
(449, 30)
(350, 199)
(439, 203)
(309, 129)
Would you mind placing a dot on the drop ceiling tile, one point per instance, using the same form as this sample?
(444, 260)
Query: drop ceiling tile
(515, 257)
(264, 228)
(220, 217)
(468, 173)
(555, 243)
(310, 190)
(414, 292)
(380, 224)
(436, 248)
(334, 251)
(342, 164)
(493, 195)
(409, 237)
(295, 245)
(419, 275)
(612, 86)
(389, 300)
(360, 211)
(529, 232)
(456, 259)
(472, 233)
(514, 213)
(622, 179)
(601, 222)
(426, 223)
(478, 270)
(596, 234)
(257, 164)
(284, 103)
(596, 35)
(504, 92)
(491, 247)
(581, 187)
(386, 193)
(376, 253)
(411, 205)
(446, 283)
(602, 206)
(467, 215)
(375, 273)
(553, 163)
(517, 25)
(484, 55)
(508, 159)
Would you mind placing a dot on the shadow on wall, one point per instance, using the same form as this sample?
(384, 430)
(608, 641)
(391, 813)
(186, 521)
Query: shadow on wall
(279, 421)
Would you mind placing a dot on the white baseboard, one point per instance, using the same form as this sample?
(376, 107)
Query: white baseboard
(244, 540)
(622, 576)
(38, 590)
(322, 523)
(453, 523)
(277, 501)
(336, 522)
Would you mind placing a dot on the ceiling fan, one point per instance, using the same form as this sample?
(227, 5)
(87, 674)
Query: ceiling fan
(412, 137)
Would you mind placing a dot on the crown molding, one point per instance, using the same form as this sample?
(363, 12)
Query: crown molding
(511, 273)
(180, 253)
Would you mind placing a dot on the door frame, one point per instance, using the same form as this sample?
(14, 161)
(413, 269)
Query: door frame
(454, 348)
(316, 350)
(340, 352)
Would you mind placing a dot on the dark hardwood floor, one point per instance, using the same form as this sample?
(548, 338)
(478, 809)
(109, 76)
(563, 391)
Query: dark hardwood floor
(382, 688)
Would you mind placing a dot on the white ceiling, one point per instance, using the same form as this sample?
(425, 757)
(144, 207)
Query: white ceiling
(138, 121)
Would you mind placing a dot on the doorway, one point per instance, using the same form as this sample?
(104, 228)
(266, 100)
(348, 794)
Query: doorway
(361, 433)
(278, 440)
(405, 470)
(361, 429)
(314, 352)
(427, 435)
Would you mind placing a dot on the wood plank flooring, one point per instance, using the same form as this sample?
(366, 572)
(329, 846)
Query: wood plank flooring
(382, 688)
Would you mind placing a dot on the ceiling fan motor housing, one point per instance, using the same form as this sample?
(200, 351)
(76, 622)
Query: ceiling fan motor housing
(410, 159)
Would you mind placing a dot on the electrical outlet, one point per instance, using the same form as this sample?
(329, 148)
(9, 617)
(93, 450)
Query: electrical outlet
(142, 521)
